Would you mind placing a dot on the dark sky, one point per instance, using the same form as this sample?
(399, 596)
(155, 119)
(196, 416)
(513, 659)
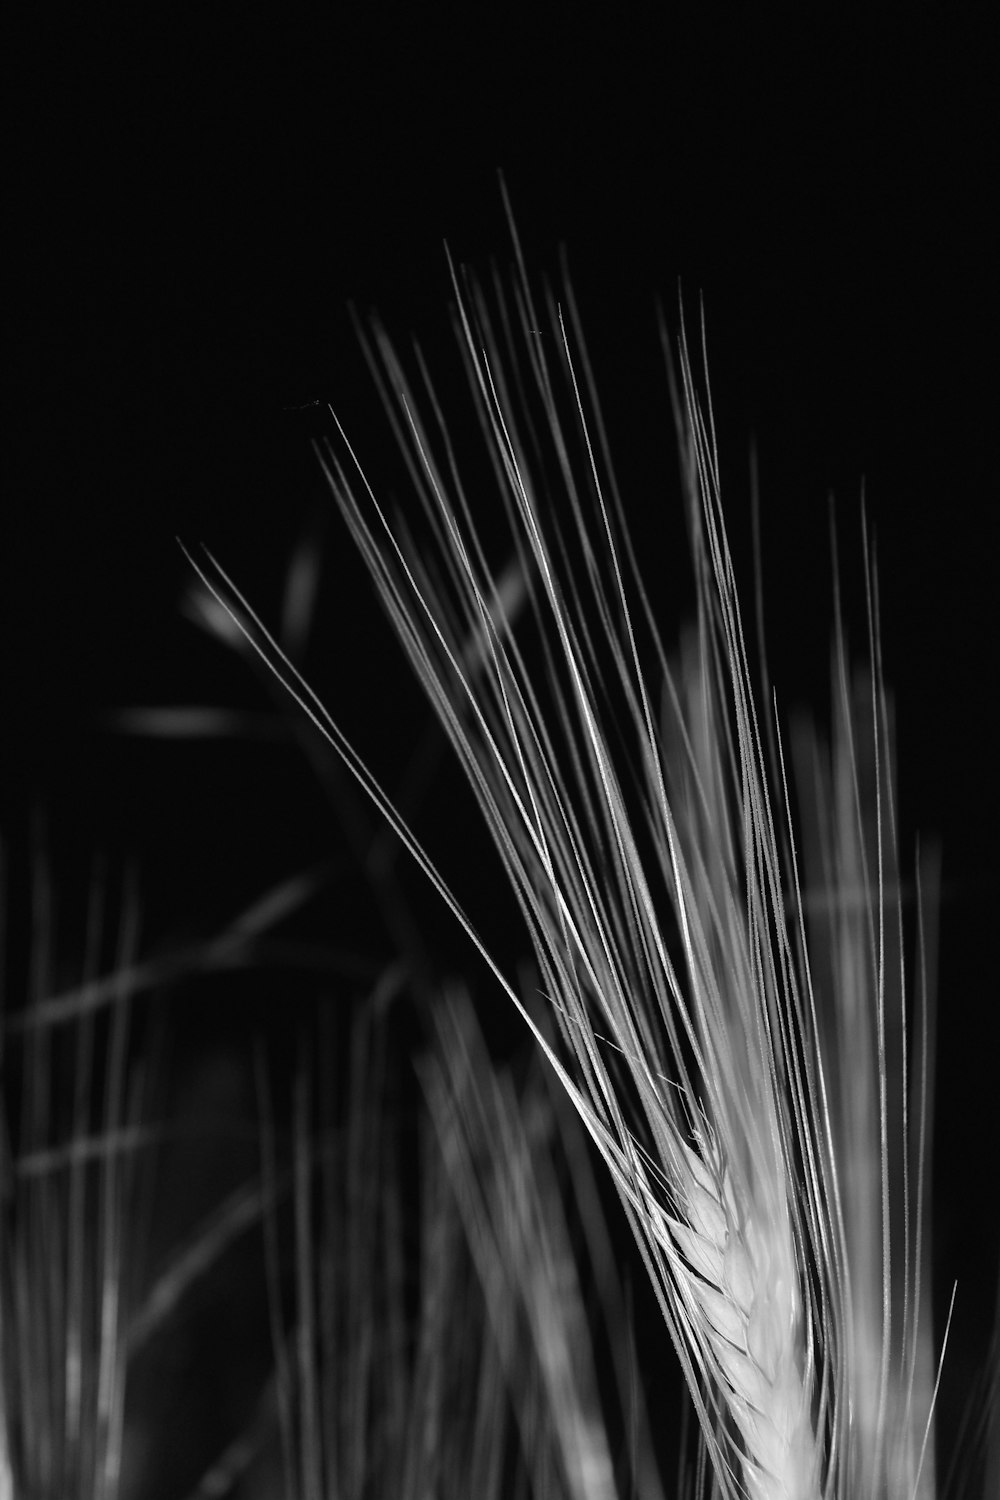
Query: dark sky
(193, 207)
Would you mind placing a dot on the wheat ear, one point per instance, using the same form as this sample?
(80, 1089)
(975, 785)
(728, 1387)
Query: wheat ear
(654, 859)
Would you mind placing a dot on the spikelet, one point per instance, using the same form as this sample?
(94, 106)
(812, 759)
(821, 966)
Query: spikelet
(704, 1021)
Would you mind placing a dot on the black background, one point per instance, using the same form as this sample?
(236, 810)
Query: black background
(193, 206)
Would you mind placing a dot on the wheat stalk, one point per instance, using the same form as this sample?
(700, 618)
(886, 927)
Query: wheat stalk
(78, 1075)
(704, 1017)
(460, 1364)
(67, 1256)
